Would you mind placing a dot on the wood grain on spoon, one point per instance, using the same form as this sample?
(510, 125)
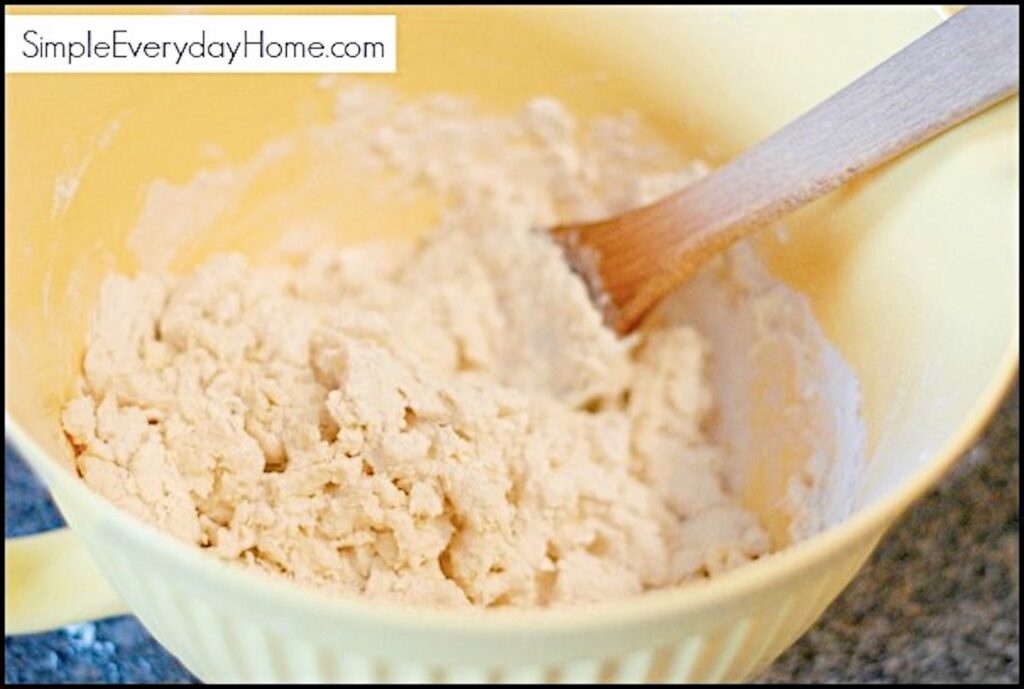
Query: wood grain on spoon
(958, 69)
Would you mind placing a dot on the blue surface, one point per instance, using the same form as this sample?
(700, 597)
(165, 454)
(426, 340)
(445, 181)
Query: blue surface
(117, 650)
(938, 602)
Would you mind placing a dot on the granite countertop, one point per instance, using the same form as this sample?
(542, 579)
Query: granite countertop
(938, 602)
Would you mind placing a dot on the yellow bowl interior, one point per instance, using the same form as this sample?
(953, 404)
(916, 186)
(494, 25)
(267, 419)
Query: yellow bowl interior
(912, 272)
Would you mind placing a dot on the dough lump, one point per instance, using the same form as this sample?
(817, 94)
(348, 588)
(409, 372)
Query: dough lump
(443, 422)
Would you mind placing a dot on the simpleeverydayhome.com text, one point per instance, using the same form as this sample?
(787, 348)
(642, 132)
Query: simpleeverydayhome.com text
(119, 44)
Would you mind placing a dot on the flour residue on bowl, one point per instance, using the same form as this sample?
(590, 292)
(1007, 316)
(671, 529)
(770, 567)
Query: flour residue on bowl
(445, 421)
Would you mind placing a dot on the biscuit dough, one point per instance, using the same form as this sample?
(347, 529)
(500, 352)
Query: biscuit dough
(445, 422)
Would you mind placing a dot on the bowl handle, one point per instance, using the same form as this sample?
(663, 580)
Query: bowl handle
(51, 581)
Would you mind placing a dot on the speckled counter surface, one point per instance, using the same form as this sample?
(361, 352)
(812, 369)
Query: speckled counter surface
(938, 602)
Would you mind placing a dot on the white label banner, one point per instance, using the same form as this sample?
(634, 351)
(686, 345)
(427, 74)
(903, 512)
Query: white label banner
(200, 43)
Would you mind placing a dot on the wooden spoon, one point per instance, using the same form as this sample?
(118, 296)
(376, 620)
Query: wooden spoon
(953, 72)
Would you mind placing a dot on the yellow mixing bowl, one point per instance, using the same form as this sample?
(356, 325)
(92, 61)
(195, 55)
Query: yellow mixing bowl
(913, 274)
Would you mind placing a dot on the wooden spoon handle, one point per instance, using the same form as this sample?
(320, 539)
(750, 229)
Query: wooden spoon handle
(963, 66)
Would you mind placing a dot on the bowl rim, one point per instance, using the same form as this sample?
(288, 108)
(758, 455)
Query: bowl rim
(866, 523)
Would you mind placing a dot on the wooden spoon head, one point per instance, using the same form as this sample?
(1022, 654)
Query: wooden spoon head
(626, 262)
(584, 249)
